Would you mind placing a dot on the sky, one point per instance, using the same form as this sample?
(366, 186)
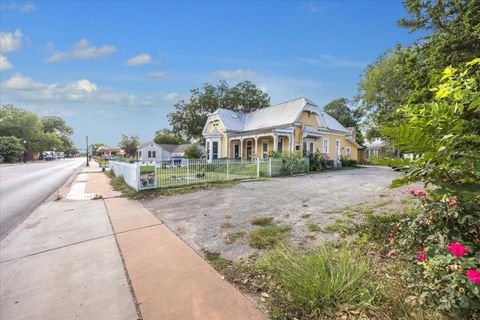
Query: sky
(113, 68)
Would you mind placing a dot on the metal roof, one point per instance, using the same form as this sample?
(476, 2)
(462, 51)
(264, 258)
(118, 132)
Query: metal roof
(278, 115)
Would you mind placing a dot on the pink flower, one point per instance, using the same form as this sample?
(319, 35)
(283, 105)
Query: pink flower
(390, 239)
(457, 249)
(421, 257)
(473, 275)
(417, 193)
(452, 203)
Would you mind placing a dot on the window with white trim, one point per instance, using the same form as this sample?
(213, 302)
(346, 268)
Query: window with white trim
(265, 149)
(348, 152)
(149, 154)
(325, 145)
(154, 154)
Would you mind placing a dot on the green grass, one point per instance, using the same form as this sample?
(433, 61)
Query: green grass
(234, 236)
(315, 285)
(339, 226)
(118, 184)
(382, 204)
(262, 221)
(313, 227)
(349, 213)
(305, 215)
(267, 237)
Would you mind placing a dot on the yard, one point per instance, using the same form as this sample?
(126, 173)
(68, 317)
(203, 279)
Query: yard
(311, 209)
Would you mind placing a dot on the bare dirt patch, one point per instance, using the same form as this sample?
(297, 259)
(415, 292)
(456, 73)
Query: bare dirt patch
(323, 200)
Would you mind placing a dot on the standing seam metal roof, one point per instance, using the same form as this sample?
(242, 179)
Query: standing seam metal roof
(278, 115)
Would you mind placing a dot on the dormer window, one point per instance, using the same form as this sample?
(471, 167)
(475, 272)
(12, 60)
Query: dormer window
(215, 123)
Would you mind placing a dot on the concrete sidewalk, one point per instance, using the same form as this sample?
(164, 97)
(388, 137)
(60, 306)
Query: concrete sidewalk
(169, 279)
(63, 262)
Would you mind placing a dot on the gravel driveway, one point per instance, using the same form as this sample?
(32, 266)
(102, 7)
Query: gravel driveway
(203, 219)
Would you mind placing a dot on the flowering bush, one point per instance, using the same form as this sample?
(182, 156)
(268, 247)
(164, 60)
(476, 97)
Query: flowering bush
(443, 241)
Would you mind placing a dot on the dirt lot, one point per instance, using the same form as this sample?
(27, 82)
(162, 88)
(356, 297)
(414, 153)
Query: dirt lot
(204, 219)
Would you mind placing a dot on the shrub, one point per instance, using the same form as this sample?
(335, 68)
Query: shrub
(443, 137)
(193, 152)
(316, 162)
(261, 221)
(10, 148)
(313, 285)
(348, 162)
(267, 237)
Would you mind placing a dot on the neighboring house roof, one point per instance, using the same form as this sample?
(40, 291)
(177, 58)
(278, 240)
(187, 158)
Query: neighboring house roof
(143, 145)
(278, 115)
(375, 144)
(172, 148)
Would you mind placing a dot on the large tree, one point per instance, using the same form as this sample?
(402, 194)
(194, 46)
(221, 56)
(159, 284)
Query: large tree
(58, 126)
(407, 74)
(348, 117)
(129, 144)
(166, 136)
(190, 115)
(27, 127)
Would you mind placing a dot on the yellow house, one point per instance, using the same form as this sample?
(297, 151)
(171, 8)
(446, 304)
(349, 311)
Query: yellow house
(297, 126)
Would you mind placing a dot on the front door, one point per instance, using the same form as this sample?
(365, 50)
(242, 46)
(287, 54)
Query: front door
(249, 150)
(337, 149)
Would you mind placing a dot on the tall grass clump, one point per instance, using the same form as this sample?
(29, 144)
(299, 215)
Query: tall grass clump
(315, 284)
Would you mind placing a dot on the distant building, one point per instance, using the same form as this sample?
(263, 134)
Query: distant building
(151, 151)
(375, 149)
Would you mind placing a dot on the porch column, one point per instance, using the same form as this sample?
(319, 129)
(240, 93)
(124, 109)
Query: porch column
(256, 147)
(241, 149)
(228, 147)
(275, 142)
(293, 142)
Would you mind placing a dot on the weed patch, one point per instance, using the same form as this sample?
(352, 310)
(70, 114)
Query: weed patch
(234, 236)
(312, 286)
(267, 237)
(313, 227)
(262, 221)
(305, 215)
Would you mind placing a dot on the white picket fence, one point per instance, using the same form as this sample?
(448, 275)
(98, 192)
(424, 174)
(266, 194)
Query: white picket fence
(129, 172)
(186, 172)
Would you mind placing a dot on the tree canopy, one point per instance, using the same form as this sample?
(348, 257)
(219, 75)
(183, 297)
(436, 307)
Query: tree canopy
(166, 136)
(348, 117)
(407, 74)
(34, 133)
(129, 144)
(190, 115)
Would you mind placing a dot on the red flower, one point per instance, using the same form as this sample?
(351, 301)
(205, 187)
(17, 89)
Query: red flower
(417, 193)
(394, 229)
(421, 249)
(421, 257)
(473, 275)
(457, 249)
(452, 203)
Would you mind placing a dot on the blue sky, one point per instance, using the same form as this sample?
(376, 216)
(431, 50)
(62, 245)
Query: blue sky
(118, 67)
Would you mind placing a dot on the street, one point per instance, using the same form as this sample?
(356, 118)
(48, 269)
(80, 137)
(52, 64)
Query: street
(25, 186)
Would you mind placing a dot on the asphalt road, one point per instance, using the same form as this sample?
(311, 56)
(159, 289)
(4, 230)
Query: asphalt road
(25, 186)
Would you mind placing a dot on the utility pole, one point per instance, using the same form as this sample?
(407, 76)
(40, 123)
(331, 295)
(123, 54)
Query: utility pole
(87, 153)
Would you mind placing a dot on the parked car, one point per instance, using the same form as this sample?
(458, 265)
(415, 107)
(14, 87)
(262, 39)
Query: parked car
(48, 157)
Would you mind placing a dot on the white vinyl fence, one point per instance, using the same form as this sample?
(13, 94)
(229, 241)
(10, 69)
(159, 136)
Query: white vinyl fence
(170, 174)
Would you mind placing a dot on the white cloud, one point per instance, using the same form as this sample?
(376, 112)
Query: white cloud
(171, 97)
(334, 62)
(25, 88)
(157, 74)
(234, 74)
(11, 41)
(139, 60)
(83, 50)
(4, 63)
(21, 7)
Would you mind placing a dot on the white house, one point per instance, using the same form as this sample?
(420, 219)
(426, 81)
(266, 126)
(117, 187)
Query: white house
(151, 151)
